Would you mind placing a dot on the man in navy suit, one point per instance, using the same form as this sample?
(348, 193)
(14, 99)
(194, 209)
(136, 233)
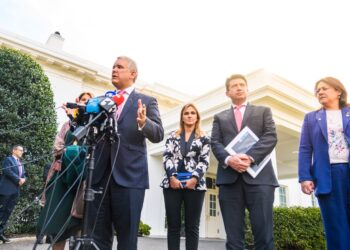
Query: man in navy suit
(11, 180)
(237, 189)
(121, 168)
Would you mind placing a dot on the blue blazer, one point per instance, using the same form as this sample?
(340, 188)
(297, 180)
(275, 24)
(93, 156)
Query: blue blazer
(10, 176)
(129, 161)
(314, 164)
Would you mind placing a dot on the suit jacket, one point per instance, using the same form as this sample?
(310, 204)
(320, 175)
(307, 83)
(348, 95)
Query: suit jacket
(314, 163)
(130, 169)
(10, 176)
(259, 120)
(196, 160)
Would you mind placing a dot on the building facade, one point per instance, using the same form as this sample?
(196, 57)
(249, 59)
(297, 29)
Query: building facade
(71, 75)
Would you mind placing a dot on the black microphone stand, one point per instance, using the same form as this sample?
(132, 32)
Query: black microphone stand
(91, 132)
(85, 241)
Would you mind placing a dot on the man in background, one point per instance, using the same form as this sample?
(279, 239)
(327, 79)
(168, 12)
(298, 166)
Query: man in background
(11, 180)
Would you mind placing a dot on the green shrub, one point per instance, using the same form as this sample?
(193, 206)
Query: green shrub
(28, 118)
(144, 229)
(295, 228)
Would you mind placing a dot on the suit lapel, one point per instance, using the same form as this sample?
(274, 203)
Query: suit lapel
(322, 122)
(247, 113)
(128, 105)
(14, 165)
(346, 117)
(230, 117)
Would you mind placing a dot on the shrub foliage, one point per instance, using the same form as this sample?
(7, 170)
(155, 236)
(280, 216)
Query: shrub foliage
(28, 118)
(295, 228)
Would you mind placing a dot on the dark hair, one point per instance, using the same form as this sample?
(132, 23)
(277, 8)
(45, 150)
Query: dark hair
(14, 147)
(235, 76)
(336, 84)
(85, 93)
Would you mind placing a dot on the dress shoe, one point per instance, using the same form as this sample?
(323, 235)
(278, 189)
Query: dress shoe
(49, 239)
(4, 238)
(40, 241)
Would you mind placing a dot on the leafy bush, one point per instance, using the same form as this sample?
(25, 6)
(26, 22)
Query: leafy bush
(295, 228)
(144, 229)
(28, 118)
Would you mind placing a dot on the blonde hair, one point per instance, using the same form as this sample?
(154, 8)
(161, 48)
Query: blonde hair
(197, 129)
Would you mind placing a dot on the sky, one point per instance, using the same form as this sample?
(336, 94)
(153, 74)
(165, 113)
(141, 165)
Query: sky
(194, 45)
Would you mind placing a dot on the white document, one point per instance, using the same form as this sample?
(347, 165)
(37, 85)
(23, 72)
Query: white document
(241, 144)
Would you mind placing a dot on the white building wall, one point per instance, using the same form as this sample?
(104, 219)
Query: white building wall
(295, 197)
(153, 211)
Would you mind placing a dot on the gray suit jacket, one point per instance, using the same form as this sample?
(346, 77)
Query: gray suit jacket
(259, 120)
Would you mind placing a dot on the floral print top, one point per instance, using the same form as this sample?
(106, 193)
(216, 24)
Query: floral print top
(196, 161)
(338, 146)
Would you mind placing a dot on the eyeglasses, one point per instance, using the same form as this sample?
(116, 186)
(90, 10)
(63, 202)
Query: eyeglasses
(192, 113)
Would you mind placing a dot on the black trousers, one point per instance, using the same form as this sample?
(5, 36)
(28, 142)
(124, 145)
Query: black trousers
(193, 202)
(120, 210)
(7, 204)
(258, 199)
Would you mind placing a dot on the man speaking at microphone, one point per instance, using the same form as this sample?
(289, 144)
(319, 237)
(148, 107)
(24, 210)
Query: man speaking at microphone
(137, 119)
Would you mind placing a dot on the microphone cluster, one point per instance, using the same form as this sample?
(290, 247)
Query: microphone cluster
(98, 113)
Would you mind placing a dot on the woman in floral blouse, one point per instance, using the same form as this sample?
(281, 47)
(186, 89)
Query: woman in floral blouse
(185, 160)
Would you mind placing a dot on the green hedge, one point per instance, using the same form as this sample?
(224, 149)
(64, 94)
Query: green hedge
(28, 118)
(295, 228)
(144, 229)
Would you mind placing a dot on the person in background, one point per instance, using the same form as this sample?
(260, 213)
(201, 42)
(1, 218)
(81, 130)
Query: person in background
(238, 190)
(324, 160)
(11, 180)
(55, 193)
(186, 155)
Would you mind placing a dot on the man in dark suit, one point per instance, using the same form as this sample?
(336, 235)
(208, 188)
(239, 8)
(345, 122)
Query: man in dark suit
(11, 180)
(138, 119)
(237, 189)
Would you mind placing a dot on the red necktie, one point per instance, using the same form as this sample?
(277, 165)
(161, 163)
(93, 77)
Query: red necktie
(120, 108)
(238, 117)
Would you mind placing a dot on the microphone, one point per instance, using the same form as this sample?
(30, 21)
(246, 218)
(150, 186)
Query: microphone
(100, 103)
(73, 105)
(110, 93)
(118, 99)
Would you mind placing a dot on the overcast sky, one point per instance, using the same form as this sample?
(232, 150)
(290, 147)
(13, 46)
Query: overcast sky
(194, 45)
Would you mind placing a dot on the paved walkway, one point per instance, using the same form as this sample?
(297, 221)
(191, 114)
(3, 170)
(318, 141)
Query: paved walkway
(144, 243)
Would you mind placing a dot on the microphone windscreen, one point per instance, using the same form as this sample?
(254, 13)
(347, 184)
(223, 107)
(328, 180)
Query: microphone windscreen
(118, 99)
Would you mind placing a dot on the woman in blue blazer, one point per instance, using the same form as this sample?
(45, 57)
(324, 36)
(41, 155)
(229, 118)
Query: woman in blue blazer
(185, 160)
(324, 160)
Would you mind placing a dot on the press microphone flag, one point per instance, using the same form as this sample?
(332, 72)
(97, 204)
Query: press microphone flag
(103, 103)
